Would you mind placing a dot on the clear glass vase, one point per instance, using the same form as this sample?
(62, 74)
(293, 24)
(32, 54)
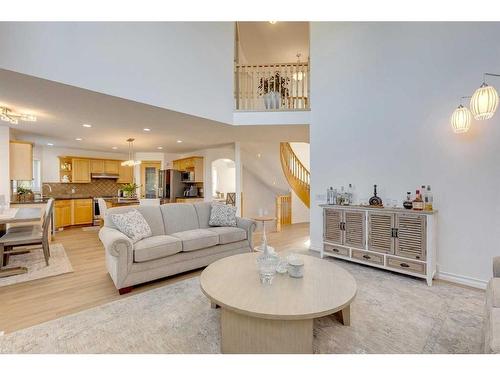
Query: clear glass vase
(267, 263)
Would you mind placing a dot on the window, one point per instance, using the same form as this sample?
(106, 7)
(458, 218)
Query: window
(37, 176)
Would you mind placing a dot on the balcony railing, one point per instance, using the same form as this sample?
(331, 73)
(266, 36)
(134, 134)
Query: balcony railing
(272, 87)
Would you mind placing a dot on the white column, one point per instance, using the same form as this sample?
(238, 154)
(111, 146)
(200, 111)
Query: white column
(5, 162)
(239, 177)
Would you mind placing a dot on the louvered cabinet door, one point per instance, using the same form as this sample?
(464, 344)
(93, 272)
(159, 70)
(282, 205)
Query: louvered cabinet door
(411, 236)
(354, 228)
(333, 230)
(380, 237)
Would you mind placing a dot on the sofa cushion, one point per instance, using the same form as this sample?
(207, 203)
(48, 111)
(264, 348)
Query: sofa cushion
(179, 217)
(156, 247)
(151, 214)
(229, 234)
(222, 215)
(203, 211)
(132, 224)
(196, 239)
(494, 286)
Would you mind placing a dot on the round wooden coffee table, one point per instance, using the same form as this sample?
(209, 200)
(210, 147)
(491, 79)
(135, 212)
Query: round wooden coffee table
(276, 318)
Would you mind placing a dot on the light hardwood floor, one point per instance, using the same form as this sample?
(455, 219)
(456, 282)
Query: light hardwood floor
(26, 304)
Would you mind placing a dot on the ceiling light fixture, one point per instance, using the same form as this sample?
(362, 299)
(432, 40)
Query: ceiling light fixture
(273, 22)
(87, 125)
(114, 148)
(50, 144)
(78, 139)
(8, 115)
(131, 162)
(159, 148)
(147, 129)
(484, 101)
(179, 141)
(461, 118)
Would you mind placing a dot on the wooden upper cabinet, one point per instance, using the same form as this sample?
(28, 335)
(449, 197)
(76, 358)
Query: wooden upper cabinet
(81, 170)
(333, 226)
(354, 228)
(411, 236)
(198, 169)
(97, 166)
(21, 161)
(111, 166)
(126, 174)
(380, 232)
(192, 164)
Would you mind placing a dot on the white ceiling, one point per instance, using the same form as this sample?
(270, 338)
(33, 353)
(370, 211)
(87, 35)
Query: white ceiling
(61, 110)
(263, 42)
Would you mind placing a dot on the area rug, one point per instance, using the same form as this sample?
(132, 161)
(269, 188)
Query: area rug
(390, 314)
(35, 262)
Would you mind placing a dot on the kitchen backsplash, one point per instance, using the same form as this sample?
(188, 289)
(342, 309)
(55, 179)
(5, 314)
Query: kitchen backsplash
(97, 188)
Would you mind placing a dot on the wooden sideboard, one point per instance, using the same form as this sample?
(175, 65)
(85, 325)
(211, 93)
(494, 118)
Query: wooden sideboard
(395, 239)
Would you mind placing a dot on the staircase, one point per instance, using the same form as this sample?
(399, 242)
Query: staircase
(297, 175)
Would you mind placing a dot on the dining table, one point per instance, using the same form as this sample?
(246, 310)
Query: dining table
(10, 216)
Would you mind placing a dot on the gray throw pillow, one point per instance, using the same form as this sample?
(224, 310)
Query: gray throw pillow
(132, 224)
(222, 215)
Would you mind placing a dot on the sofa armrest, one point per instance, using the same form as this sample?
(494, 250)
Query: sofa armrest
(496, 267)
(249, 226)
(115, 242)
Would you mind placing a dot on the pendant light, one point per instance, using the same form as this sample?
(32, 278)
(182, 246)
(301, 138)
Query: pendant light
(461, 119)
(484, 102)
(131, 162)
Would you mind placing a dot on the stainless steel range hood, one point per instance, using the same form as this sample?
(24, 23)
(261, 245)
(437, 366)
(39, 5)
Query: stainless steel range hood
(112, 176)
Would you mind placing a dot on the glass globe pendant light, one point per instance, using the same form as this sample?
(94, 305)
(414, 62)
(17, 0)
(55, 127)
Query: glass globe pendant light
(131, 162)
(484, 101)
(461, 119)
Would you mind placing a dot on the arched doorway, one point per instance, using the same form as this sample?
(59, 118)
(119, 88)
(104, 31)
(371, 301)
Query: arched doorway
(223, 178)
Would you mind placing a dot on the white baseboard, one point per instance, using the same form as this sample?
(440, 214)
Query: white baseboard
(463, 280)
(446, 276)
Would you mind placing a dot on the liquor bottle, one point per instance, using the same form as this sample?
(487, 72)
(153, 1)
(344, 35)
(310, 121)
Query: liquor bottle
(418, 203)
(408, 203)
(422, 193)
(350, 192)
(428, 199)
(375, 200)
(330, 196)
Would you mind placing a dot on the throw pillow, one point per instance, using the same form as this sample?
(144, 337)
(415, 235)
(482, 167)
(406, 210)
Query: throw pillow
(132, 224)
(222, 215)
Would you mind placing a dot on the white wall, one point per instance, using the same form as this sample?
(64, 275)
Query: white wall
(183, 66)
(4, 164)
(382, 96)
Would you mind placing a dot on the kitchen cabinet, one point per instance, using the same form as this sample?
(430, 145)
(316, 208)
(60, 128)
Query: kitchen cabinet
(62, 213)
(82, 211)
(191, 164)
(81, 170)
(21, 161)
(126, 174)
(69, 212)
(97, 166)
(111, 166)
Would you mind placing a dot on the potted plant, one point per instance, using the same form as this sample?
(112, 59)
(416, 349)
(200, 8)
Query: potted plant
(130, 190)
(271, 88)
(22, 193)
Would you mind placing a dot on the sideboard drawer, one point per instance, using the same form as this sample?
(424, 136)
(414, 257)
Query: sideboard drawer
(406, 265)
(368, 257)
(338, 250)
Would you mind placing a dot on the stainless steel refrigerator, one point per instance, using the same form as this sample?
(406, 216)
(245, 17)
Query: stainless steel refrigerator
(170, 185)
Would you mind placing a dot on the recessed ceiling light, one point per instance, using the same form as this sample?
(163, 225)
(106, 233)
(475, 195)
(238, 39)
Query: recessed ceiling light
(50, 144)
(87, 125)
(272, 22)
(78, 139)
(114, 148)
(159, 148)
(179, 141)
(147, 129)
(258, 155)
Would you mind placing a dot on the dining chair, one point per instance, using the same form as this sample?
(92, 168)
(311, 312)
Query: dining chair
(149, 201)
(17, 239)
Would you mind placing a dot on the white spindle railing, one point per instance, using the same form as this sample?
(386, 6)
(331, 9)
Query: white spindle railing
(271, 87)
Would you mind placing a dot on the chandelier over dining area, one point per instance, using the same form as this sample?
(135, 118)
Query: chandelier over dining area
(131, 162)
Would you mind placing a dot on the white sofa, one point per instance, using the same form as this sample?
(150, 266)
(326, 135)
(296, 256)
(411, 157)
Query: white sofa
(182, 240)
(492, 322)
